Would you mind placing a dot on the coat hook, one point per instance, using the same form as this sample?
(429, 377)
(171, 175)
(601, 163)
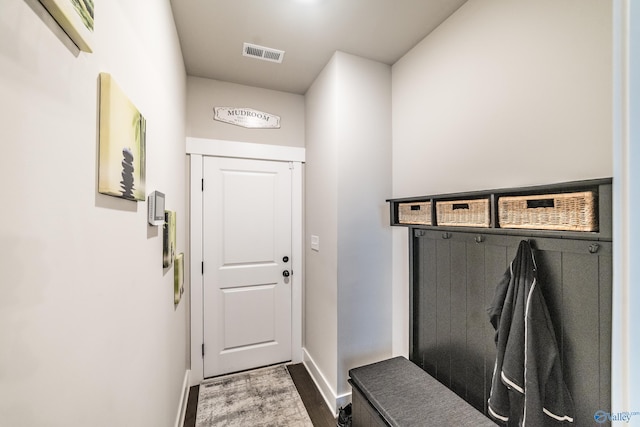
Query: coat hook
(446, 235)
(479, 238)
(593, 248)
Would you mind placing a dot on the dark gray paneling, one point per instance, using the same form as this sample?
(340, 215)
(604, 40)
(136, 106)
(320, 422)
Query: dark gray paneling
(443, 312)
(458, 322)
(427, 298)
(455, 281)
(581, 333)
(549, 274)
(476, 317)
(605, 322)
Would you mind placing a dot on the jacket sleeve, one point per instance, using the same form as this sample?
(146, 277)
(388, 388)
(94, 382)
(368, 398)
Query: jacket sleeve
(500, 319)
(495, 310)
(547, 397)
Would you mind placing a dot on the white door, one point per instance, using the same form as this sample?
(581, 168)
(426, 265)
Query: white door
(247, 259)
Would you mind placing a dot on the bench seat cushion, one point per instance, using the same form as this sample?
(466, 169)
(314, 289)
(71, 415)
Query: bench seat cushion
(406, 396)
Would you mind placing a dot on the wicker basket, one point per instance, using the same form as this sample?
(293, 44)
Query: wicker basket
(566, 212)
(463, 213)
(414, 213)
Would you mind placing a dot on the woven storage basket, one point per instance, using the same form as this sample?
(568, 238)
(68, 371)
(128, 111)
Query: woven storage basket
(414, 213)
(464, 213)
(566, 212)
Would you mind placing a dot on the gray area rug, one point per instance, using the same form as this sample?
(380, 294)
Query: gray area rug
(262, 397)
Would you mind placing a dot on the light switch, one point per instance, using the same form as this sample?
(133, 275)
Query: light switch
(315, 243)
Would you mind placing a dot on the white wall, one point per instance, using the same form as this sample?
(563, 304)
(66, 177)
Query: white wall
(364, 237)
(347, 288)
(89, 335)
(205, 94)
(502, 94)
(320, 334)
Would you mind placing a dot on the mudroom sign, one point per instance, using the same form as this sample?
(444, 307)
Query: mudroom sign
(247, 117)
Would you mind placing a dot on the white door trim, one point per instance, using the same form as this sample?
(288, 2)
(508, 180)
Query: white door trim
(197, 148)
(244, 150)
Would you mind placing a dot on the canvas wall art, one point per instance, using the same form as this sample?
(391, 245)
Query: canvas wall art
(178, 275)
(122, 143)
(75, 17)
(169, 239)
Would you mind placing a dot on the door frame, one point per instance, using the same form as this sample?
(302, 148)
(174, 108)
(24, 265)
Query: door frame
(197, 148)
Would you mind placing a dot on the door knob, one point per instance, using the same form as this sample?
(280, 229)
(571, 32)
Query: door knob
(285, 259)
(285, 273)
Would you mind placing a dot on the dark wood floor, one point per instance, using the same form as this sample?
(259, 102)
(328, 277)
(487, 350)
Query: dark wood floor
(192, 407)
(318, 410)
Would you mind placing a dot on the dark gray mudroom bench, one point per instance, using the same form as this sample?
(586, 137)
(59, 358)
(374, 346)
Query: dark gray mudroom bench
(454, 269)
(396, 392)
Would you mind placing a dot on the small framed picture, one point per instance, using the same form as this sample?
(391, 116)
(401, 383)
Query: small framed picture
(75, 17)
(178, 275)
(169, 239)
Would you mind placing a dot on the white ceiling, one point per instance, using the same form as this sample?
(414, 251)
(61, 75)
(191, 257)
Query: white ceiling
(212, 33)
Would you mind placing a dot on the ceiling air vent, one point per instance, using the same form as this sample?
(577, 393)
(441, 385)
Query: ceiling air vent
(261, 52)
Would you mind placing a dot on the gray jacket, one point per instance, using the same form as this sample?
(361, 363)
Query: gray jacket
(528, 388)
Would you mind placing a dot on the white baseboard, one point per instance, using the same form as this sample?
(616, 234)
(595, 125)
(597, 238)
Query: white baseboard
(184, 398)
(331, 398)
(342, 401)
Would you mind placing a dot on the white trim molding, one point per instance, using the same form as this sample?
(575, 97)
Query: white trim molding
(331, 398)
(244, 150)
(297, 248)
(625, 373)
(197, 149)
(184, 399)
(195, 281)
